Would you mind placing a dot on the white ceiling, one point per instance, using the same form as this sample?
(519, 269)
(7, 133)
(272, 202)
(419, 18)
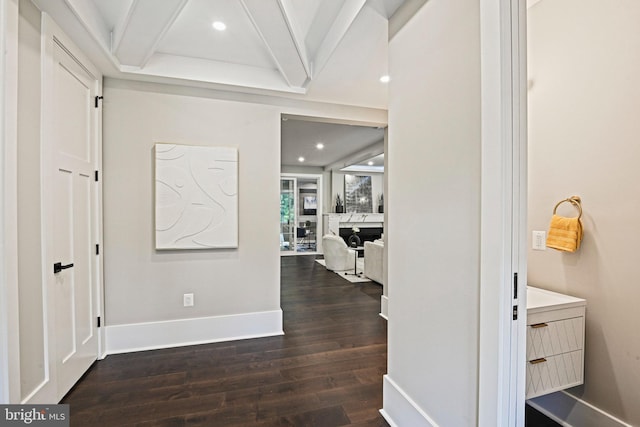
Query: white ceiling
(320, 50)
(343, 144)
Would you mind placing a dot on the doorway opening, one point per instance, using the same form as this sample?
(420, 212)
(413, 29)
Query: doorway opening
(318, 156)
(300, 214)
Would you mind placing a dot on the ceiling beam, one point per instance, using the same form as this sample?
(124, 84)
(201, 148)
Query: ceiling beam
(274, 22)
(357, 157)
(216, 72)
(142, 30)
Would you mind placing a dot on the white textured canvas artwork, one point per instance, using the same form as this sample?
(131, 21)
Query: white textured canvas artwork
(196, 197)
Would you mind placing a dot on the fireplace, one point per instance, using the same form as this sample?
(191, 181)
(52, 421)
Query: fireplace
(371, 225)
(366, 234)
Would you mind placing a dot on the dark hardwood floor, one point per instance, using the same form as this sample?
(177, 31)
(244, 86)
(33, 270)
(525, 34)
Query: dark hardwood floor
(325, 371)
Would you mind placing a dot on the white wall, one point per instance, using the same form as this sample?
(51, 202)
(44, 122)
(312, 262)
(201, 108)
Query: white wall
(433, 172)
(584, 99)
(143, 284)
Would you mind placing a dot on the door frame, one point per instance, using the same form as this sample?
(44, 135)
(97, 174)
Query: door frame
(502, 341)
(9, 332)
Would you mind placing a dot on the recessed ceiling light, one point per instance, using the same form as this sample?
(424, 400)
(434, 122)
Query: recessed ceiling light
(219, 25)
(370, 163)
(319, 145)
(385, 79)
(301, 159)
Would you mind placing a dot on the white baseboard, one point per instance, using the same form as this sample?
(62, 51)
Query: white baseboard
(178, 333)
(384, 307)
(399, 410)
(570, 411)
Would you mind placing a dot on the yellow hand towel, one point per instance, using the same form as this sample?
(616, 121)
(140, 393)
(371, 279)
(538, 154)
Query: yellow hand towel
(565, 234)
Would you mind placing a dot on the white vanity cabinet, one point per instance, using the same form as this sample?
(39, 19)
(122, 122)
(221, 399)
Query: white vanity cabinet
(555, 341)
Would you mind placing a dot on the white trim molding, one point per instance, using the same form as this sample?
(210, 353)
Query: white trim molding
(183, 332)
(9, 316)
(384, 307)
(401, 409)
(571, 411)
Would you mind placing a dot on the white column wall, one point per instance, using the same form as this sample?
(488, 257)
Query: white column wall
(434, 217)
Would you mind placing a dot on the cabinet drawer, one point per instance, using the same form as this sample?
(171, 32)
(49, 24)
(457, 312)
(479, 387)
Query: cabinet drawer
(546, 375)
(557, 337)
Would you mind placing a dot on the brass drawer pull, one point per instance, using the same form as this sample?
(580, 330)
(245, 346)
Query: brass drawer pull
(536, 361)
(539, 325)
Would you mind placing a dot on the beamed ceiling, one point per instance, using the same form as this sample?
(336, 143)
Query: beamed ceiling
(321, 50)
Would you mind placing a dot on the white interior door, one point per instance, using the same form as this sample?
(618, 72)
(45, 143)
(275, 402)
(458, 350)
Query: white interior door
(73, 187)
(70, 149)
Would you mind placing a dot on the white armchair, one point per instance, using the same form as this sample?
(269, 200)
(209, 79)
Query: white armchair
(337, 255)
(373, 262)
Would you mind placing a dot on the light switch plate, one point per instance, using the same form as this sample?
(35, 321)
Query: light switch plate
(539, 239)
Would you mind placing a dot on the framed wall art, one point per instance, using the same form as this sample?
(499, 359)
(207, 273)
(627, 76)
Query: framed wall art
(196, 197)
(357, 194)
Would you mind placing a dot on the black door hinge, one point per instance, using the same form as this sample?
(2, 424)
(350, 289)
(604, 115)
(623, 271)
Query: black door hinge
(97, 99)
(515, 285)
(97, 249)
(96, 176)
(98, 321)
(515, 312)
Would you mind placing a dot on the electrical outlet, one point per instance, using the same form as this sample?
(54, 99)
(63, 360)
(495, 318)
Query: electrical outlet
(187, 300)
(539, 239)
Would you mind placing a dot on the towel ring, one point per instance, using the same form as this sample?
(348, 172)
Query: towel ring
(575, 201)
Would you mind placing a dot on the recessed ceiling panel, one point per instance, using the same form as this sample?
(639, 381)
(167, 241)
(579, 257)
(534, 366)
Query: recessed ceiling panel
(305, 12)
(113, 11)
(316, 21)
(352, 73)
(192, 35)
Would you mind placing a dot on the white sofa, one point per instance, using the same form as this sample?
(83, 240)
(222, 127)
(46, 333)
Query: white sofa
(373, 263)
(337, 255)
